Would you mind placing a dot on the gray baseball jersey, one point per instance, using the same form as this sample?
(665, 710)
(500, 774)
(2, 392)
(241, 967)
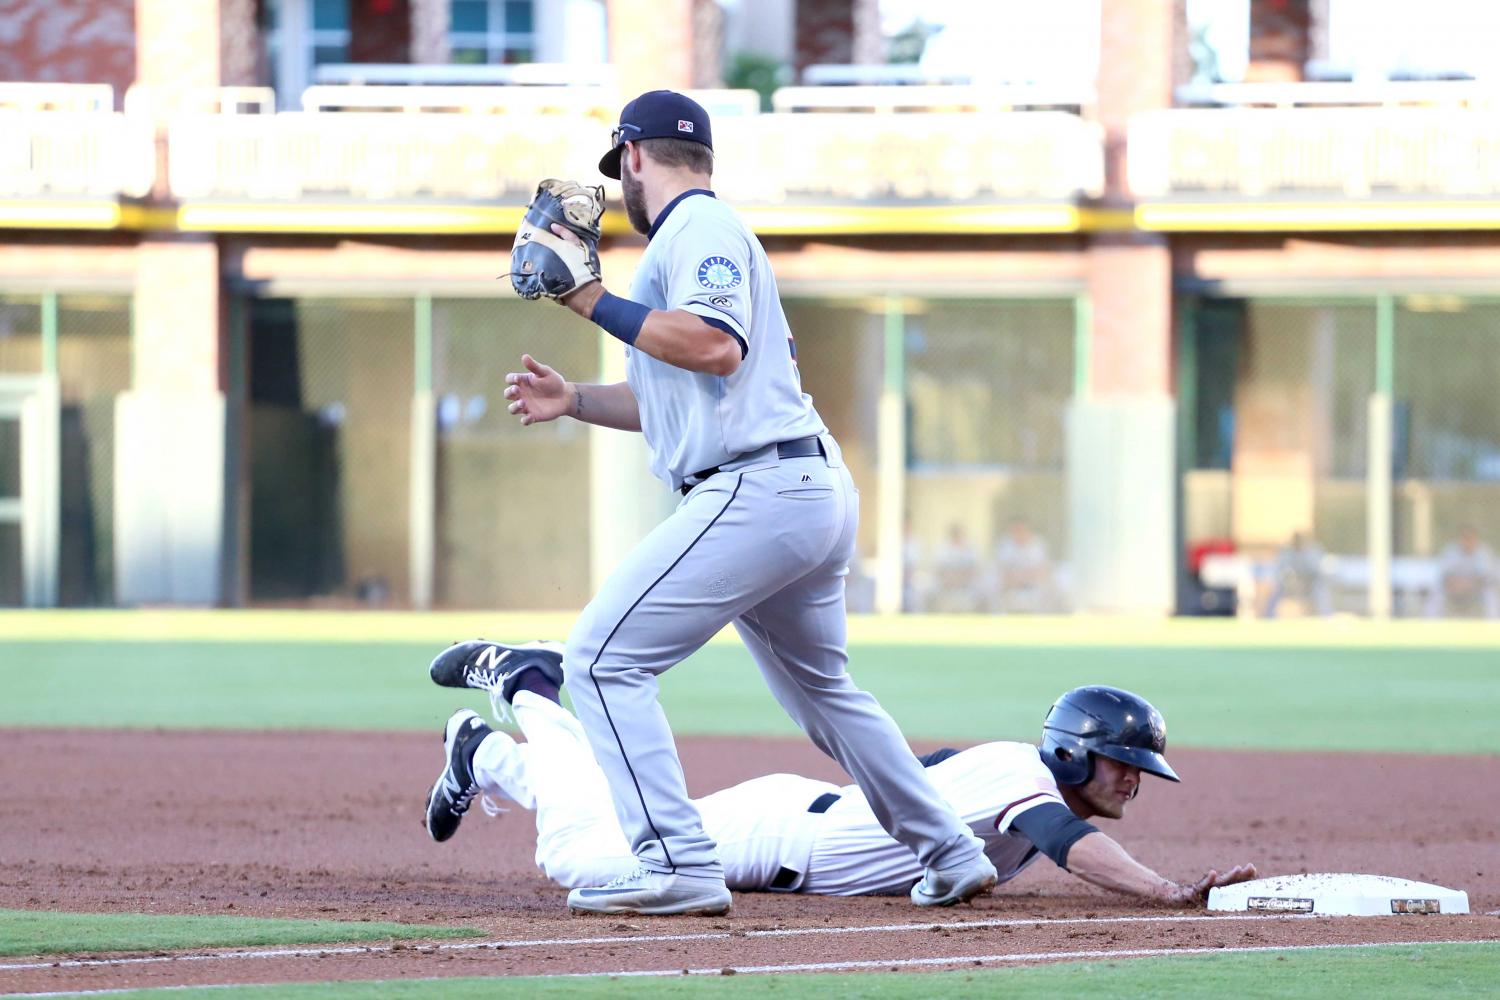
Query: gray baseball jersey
(703, 260)
(764, 542)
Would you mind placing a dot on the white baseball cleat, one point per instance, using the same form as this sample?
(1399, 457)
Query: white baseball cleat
(654, 894)
(958, 884)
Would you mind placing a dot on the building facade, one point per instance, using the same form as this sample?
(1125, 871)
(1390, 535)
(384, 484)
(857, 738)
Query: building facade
(1142, 331)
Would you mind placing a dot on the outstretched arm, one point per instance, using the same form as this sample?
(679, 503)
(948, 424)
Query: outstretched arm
(1099, 860)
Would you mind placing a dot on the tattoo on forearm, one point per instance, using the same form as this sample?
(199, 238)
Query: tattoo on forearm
(577, 402)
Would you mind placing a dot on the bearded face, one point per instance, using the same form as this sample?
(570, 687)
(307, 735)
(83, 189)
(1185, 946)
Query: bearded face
(635, 198)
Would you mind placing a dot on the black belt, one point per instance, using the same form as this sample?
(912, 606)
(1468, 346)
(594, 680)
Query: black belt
(787, 877)
(807, 447)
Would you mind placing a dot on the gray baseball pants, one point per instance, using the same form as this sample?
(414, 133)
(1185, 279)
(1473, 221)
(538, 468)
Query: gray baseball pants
(765, 544)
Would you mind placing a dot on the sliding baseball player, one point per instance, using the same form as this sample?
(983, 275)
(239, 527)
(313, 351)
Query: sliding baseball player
(788, 833)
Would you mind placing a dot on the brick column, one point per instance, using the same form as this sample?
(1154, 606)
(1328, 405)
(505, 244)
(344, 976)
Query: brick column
(1280, 39)
(170, 456)
(241, 61)
(429, 32)
(1122, 520)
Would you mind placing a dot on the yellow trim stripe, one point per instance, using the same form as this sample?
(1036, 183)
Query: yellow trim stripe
(892, 219)
(364, 218)
(313, 217)
(49, 214)
(1270, 216)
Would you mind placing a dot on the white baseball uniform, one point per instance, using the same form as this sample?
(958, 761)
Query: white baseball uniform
(762, 538)
(767, 837)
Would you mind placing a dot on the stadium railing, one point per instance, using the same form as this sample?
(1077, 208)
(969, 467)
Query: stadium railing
(393, 142)
(66, 141)
(1348, 152)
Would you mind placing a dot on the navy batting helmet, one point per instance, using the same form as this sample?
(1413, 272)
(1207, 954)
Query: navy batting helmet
(1107, 721)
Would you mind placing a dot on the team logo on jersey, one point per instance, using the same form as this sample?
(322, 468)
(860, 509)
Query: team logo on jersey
(719, 273)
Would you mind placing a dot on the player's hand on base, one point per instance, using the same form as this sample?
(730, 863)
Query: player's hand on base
(1197, 892)
(538, 394)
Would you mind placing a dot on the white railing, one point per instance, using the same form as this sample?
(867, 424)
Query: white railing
(378, 156)
(952, 157)
(75, 154)
(595, 101)
(766, 159)
(160, 103)
(957, 97)
(434, 74)
(1386, 93)
(1352, 152)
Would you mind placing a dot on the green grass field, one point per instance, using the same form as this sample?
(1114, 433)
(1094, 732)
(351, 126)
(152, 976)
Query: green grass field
(31, 932)
(1421, 687)
(1429, 687)
(1454, 972)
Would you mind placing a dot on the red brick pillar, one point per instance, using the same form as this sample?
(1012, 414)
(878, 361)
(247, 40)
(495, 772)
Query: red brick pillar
(1121, 452)
(85, 41)
(836, 31)
(1130, 273)
(1280, 39)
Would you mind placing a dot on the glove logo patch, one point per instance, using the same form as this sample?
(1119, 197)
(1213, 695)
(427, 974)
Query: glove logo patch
(719, 273)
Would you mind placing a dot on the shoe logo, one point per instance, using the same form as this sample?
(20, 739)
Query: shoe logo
(806, 478)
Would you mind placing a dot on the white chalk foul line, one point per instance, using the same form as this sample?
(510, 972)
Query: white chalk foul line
(313, 951)
(909, 963)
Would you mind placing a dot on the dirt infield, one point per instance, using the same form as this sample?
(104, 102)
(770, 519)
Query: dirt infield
(329, 825)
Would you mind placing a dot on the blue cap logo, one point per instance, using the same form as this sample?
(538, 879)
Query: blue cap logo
(719, 273)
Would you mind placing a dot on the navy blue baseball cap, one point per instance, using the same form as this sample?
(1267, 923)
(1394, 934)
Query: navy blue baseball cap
(656, 114)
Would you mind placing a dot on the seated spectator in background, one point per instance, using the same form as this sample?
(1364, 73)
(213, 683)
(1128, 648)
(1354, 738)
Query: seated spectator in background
(1023, 570)
(1297, 572)
(916, 582)
(1467, 578)
(959, 586)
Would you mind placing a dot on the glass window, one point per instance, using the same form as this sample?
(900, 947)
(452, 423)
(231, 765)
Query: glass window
(492, 31)
(470, 15)
(330, 388)
(12, 583)
(518, 17)
(10, 457)
(330, 15)
(20, 334)
(485, 522)
(93, 369)
(989, 383)
(988, 386)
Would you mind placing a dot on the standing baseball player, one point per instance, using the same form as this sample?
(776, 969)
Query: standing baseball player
(762, 537)
(787, 833)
